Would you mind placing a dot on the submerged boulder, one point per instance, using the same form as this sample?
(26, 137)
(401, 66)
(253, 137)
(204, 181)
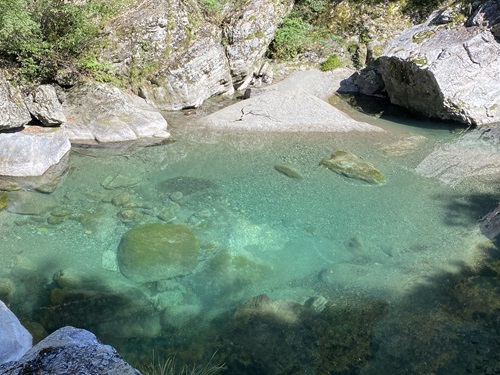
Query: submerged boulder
(70, 350)
(447, 73)
(157, 251)
(101, 113)
(178, 53)
(15, 340)
(349, 165)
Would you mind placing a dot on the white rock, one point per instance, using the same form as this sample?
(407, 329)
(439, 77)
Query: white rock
(29, 154)
(15, 340)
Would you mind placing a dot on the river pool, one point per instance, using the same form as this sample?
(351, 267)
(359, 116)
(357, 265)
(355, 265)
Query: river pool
(378, 275)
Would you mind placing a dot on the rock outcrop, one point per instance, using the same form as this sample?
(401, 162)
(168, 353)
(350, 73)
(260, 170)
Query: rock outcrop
(13, 111)
(70, 351)
(103, 113)
(447, 73)
(249, 30)
(176, 55)
(44, 105)
(29, 154)
(15, 340)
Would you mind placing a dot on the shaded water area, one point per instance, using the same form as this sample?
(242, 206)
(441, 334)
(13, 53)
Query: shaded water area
(342, 276)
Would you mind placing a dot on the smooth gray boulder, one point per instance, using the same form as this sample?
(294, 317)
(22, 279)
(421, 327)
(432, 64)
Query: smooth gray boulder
(102, 113)
(15, 340)
(447, 73)
(249, 30)
(70, 350)
(490, 224)
(30, 154)
(294, 104)
(13, 111)
(44, 105)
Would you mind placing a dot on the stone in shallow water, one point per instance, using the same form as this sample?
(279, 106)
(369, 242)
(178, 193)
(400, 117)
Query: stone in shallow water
(349, 165)
(157, 251)
(4, 198)
(187, 185)
(289, 171)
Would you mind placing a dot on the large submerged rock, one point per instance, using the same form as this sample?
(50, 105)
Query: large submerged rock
(448, 73)
(70, 351)
(103, 113)
(157, 251)
(474, 155)
(13, 111)
(30, 154)
(15, 340)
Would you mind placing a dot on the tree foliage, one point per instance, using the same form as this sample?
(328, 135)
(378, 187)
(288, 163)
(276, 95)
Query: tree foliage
(42, 36)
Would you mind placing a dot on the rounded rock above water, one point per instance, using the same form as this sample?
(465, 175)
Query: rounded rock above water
(157, 251)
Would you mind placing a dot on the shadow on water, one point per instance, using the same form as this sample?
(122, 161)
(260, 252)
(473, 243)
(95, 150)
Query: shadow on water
(448, 325)
(461, 210)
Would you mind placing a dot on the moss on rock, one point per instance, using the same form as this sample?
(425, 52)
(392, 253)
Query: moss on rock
(349, 165)
(157, 251)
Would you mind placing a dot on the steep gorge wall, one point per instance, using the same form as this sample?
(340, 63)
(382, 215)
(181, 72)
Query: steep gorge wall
(176, 55)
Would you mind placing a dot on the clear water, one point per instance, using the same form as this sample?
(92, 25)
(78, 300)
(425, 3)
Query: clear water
(324, 235)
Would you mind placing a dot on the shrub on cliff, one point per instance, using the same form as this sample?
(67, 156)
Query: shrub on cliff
(43, 36)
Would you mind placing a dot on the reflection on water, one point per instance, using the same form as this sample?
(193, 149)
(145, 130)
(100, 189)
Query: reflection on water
(338, 276)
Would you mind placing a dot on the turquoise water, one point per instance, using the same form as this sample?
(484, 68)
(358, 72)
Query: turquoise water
(375, 256)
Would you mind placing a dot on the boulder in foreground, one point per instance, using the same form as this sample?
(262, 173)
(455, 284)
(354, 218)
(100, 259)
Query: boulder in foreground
(15, 340)
(70, 350)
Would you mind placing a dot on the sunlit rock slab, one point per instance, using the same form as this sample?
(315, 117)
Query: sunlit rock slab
(30, 155)
(285, 111)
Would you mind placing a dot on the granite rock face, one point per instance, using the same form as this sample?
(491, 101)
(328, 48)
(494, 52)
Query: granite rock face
(30, 155)
(176, 54)
(101, 113)
(447, 73)
(44, 106)
(15, 340)
(248, 31)
(13, 111)
(70, 351)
